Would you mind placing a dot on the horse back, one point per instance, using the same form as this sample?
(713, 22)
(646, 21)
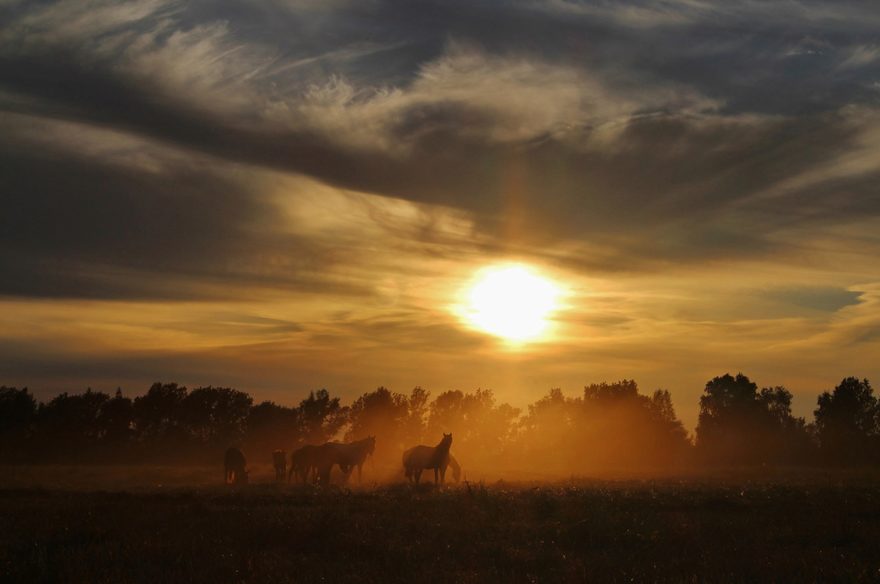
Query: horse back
(418, 456)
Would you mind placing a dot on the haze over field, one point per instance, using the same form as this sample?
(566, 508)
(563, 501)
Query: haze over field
(283, 196)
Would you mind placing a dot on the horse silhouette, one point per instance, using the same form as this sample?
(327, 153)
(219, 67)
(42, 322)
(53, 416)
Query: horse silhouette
(456, 468)
(419, 458)
(347, 456)
(235, 465)
(302, 462)
(279, 459)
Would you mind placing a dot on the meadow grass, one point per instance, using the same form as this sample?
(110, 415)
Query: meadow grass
(70, 524)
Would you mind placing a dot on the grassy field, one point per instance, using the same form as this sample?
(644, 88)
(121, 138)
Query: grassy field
(63, 524)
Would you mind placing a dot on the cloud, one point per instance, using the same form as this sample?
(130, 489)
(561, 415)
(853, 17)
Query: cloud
(315, 173)
(647, 157)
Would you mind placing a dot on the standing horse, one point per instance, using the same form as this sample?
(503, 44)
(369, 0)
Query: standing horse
(235, 464)
(302, 462)
(419, 458)
(347, 456)
(279, 459)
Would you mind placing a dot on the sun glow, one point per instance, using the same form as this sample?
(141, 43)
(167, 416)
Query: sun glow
(511, 302)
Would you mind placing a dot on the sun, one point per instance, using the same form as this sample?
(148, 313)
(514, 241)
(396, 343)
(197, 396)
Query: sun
(512, 302)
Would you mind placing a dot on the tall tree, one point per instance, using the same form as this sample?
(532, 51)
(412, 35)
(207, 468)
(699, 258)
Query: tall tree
(740, 425)
(383, 414)
(320, 417)
(17, 411)
(157, 417)
(117, 422)
(69, 426)
(847, 422)
(216, 416)
(271, 426)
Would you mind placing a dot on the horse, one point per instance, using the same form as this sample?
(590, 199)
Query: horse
(302, 462)
(347, 456)
(279, 459)
(419, 458)
(456, 468)
(235, 464)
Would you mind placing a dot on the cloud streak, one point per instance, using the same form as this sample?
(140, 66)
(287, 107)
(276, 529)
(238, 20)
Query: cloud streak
(357, 158)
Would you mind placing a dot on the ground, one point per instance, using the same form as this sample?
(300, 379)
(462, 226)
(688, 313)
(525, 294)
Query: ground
(64, 524)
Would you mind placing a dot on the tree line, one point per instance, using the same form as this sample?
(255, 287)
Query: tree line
(608, 426)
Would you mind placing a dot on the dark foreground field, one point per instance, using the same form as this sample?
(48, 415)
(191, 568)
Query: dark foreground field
(821, 529)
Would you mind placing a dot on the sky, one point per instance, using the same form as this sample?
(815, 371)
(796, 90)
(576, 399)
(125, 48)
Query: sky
(281, 196)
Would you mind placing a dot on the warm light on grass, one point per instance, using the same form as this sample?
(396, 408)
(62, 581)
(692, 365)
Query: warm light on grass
(512, 302)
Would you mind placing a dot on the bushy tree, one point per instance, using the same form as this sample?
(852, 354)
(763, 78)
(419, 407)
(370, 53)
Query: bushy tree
(271, 426)
(215, 417)
(17, 411)
(320, 418)
(482, 429)
(847, 422)
(157, 414)
(739, 425)
(69, 427)
(380, 413)
(622, 428)
(117, 424)
(611, 427)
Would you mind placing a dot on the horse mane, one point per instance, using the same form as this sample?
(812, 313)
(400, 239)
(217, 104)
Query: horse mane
(441, 451)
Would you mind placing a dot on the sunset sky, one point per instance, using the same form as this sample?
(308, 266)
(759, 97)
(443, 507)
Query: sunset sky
(283, 196)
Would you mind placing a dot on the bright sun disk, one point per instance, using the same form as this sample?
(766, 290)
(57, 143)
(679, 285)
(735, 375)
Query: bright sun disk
(511, 302)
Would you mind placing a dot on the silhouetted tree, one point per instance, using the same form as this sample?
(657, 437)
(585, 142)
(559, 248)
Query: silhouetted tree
(668, 427)
(739, 425)
(320, 417)
(69, 426)
(482, 429)
(384, 414)
(17, 411)
(413, 431)
(271, 426)
(612, 426)
(847, 422)
(215, 417)
(786, 438)
(620, 427)
(116, 423)
(157, 418)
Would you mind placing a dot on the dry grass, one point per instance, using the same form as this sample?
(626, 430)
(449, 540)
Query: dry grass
(120, 525)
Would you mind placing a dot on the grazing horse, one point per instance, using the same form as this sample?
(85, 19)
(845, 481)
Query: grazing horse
(279, 459)
(456, 468)
(347, 456)
(235, 464)
(302, 462)
(419, 458)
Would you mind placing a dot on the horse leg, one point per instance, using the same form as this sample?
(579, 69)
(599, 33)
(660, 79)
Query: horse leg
(418, 475)
(360, 473)
(436, 475)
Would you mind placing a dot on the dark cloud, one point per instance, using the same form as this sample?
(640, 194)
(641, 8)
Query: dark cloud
(685, 116)
(76, 226)
(816, 298)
